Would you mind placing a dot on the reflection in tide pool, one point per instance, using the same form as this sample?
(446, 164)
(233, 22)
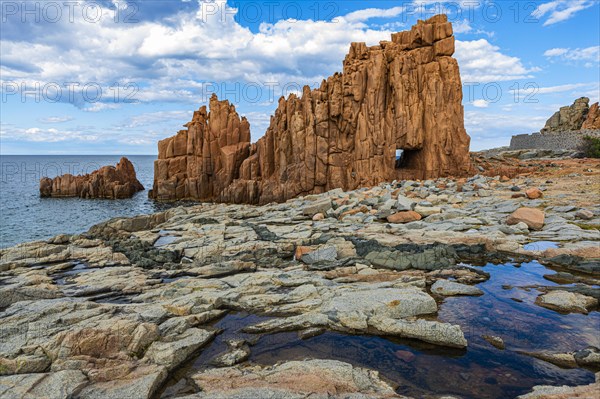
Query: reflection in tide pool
(419, 369)
(540, 245)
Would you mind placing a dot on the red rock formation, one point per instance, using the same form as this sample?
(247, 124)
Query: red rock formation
(107, 182)
(402, 94)
(593, 118)
(200, 162)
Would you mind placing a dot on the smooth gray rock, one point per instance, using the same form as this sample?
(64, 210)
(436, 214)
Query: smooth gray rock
(450, 288)
(62, 384)
(142, 385)
(324, 254)
(238, 352)
(320, 206)
(405, 204)
(425, 330)
(567, 302)
(173, 352)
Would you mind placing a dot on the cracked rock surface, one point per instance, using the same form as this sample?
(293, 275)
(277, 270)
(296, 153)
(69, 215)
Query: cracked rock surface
(117, 311)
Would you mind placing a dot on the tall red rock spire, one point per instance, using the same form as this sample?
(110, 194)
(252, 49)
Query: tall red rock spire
(401, 94)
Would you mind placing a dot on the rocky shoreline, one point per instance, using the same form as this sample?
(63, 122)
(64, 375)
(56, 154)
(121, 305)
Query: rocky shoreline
(122, 309)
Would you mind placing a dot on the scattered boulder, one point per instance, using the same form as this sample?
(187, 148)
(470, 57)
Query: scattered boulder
(238, 352)
(404, 217)
(534, 193)
(567, 302)
(316, 207)
(427, 210)
(318, 217)
(533, 218)
(588, 358)
(584, 214)
(405, 204)
(311, 256)
(497, 342)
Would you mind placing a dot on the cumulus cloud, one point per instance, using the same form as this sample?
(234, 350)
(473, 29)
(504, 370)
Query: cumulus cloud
(560, 10)
(174, 59)
(56, 119)
(169, 59)
(368, 13)
(51, 135)
(480, 104)
(481, 61)
(479, 122)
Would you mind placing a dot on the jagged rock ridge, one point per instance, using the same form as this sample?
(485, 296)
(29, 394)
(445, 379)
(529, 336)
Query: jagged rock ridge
(577, 116)
(401, 94)
(107, 182)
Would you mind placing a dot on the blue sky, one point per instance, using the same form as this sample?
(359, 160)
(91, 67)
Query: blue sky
(114, 77)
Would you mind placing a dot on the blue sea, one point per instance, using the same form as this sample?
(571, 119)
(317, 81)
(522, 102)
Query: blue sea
(24, 216)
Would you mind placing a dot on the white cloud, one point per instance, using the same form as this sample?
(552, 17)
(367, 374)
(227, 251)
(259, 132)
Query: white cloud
(395, 26)
(577, 54)
(56, 119)
(481, 61)
(561, 88)
(480, 104)
(529, 92)
(450, 4)
(368, 13)
(152, 118)
(560, 10)
(169, 59)
(259, 122)
(98, 106)
(481, 123)
(52, 135)
(173, 60)
(464, 26)
(555, 52)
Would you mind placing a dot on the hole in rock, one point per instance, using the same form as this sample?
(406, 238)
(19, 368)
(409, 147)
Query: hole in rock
(404, 158)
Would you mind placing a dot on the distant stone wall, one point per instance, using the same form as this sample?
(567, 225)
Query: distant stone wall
(568, 140)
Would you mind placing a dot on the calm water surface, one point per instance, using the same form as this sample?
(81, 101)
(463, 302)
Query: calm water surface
(422, 370)
(24, 216)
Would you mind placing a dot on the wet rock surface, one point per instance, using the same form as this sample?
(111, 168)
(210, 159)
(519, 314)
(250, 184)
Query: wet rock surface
(151, 306)
(564, 301)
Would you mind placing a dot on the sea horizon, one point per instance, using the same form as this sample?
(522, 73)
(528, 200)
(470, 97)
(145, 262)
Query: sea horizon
(27, 217)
